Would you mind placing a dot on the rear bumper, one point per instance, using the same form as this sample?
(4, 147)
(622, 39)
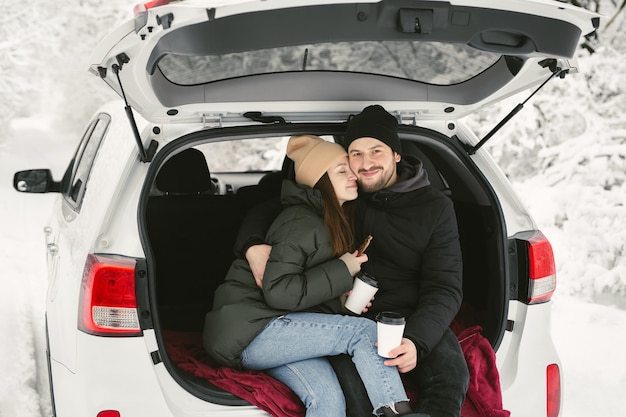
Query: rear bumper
(112, 374)
(117, 373)
(523, 359)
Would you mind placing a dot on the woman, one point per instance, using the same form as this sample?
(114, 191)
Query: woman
(277, 328)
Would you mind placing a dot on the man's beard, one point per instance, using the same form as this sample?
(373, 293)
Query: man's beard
(380, 183)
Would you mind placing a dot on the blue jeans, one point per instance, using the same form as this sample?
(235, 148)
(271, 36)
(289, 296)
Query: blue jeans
(441, 377)
(292, 348)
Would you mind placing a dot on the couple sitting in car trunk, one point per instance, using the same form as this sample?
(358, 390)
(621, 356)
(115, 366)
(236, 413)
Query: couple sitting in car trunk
(281, 309)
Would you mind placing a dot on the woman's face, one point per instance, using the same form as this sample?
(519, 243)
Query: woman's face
(343, 180)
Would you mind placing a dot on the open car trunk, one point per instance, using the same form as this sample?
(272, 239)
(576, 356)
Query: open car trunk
(192, 211)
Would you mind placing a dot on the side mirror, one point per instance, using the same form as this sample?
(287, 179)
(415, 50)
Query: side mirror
(35, 181)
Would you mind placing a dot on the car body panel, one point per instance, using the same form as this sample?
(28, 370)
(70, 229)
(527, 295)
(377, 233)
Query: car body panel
(524, 355)
(78, 233)
(110, 374)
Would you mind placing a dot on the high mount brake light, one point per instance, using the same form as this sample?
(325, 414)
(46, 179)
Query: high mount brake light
(144, 7)
(541, 269)
(109, 413)
(108, 306)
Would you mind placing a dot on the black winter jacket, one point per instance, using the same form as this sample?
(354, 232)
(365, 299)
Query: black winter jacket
(302, 274)
(415, 254)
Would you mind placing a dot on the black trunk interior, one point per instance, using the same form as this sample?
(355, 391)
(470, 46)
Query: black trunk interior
(191, 235)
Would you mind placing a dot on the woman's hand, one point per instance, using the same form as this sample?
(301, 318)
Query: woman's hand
(257, 257)
(368, 306)
(361, 259)
(346, 295)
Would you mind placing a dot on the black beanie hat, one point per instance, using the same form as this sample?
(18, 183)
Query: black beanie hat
(374, 122)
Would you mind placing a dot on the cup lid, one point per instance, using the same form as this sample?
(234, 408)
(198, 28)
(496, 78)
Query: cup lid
(390, 317)
(368, 279)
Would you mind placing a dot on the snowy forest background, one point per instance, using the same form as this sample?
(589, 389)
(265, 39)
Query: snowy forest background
(565, 154)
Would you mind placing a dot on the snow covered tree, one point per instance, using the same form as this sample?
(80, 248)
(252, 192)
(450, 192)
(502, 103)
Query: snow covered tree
(27, 33)
(45, 47)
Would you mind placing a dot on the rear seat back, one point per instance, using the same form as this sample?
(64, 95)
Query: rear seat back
(192, 231)
(268, 188)
(185, 173)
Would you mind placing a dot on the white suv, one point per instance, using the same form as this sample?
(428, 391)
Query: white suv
(151, 203)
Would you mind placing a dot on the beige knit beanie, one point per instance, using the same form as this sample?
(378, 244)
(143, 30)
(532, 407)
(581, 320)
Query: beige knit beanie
(312, 156)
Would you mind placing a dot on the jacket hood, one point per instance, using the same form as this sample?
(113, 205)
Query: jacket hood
(411, 175)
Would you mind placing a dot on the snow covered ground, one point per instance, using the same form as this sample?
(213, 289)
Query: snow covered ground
(23, 277)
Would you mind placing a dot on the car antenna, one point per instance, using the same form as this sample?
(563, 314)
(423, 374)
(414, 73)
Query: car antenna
(143, 155)
(556, 71)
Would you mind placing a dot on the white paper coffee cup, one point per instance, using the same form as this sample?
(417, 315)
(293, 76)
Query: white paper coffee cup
(390, 327)
(365, 286)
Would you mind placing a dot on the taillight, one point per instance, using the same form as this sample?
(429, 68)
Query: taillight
(541, 269)
(109, 413)
(108, 306)
(142, 7)
(553, 390)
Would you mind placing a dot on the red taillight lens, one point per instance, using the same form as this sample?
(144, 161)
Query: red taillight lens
(108, 306)
(553, 390)
(109, 413)
(142, 7)
(542, 270)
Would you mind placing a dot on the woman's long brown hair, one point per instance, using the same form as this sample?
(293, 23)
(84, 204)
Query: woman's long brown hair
(337, 218)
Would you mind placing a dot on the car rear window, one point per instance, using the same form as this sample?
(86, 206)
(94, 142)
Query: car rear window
(429, 62)
(262, 154)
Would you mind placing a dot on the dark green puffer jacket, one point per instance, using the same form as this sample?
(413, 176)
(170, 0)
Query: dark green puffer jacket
(302, 274)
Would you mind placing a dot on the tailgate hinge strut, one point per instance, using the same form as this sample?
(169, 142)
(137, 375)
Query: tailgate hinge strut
(556, 72)
(144, 156)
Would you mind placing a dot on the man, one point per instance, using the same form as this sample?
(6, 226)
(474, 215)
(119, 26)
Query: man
(415, 255)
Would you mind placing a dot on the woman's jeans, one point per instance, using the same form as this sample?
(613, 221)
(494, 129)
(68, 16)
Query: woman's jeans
(441, 377)
(292, 348)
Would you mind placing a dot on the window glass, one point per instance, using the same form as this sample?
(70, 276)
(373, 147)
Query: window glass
(429, 62)
(259, 154)
(84, 158)
(247, 155)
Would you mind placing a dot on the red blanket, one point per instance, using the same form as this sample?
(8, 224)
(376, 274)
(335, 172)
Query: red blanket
(258, 388)
(483, 399)
(484, 396)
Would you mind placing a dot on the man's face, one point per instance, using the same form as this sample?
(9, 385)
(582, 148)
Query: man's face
(374, 163)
